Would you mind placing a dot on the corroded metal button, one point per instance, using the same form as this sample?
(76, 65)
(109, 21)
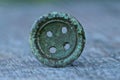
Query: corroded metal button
(57, 39)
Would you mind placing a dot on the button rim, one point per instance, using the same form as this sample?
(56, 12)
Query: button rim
(80, 43)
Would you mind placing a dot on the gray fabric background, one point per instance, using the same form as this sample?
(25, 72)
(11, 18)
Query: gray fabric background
(100, 59)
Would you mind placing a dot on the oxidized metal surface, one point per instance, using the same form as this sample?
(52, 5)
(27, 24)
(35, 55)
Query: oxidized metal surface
(57, 39)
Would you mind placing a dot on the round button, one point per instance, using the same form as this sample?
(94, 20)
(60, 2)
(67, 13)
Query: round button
(57, 39)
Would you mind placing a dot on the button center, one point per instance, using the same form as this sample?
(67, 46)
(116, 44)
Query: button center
(57, 39)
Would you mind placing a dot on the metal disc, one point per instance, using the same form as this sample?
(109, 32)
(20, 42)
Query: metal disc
(57, 39)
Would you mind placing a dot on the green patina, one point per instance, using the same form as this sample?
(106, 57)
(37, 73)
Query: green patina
(60, 33)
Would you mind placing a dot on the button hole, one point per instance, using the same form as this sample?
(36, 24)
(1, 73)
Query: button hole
(66, 46)
(64, 30)
(52, 49)
(49, 34)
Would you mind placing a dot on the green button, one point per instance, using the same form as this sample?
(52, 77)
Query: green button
(57, 39)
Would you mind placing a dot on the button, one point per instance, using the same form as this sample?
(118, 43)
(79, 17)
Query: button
(57, 39)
